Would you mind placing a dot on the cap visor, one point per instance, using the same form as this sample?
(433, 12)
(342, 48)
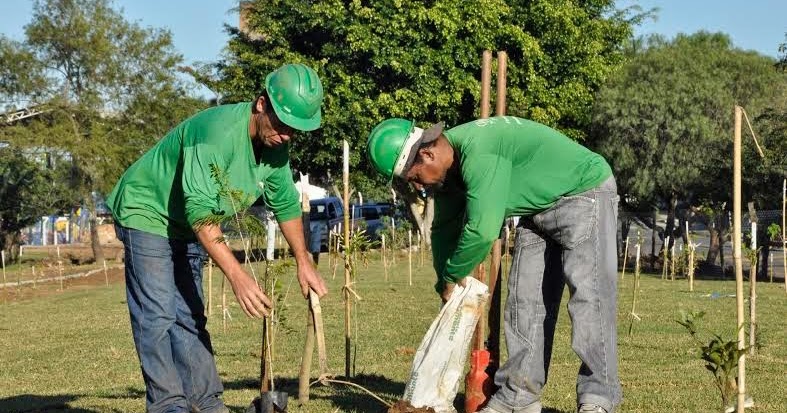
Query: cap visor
(429, 135)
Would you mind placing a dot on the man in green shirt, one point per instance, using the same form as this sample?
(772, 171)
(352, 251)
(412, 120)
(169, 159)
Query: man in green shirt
(167, 206)
(489, 169)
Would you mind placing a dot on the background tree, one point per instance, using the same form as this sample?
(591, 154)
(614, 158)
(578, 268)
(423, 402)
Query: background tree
(108, 86)
(30, 186)
(421, 60)
(664, 121)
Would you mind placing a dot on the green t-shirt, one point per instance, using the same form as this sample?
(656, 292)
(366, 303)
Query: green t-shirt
(171, 187)
(509, 166)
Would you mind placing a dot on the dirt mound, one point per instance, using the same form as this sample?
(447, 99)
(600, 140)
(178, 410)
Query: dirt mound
(403, 406)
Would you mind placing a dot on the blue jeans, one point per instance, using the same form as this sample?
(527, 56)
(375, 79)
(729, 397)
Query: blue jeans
(165, 301)
(573, 243)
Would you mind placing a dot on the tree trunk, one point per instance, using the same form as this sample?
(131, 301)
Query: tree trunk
(713, 248)
(670, 225)
(98, 251)
(653, 240)
(10, 245)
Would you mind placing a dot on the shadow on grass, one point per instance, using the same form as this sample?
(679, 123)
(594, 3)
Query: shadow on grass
(29, 403)
(345, 398)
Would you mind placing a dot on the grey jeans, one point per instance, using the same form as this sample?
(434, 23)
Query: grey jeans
(573, 243)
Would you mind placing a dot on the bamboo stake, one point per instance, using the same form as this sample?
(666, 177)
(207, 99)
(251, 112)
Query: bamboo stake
(35, 279)
(753, 290)
(633, 314)
(672, 262)
(210, 286)
(421, 245)
(223, 304)
(347, 298)
(59, 265)
(306, 359)
(625, 256)
(385, 260)
(736, 239)
(410, 255)
(2, 253)
(691, 267)
(770, 267)
(106, 275)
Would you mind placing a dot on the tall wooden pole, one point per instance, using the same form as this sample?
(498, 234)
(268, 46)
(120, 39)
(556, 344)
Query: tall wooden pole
(486, 82)
(736, 254)
(347, 303)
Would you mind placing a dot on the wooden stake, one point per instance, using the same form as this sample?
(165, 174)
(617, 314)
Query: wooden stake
(35, 279)
(106, 275)
(210, 286)
(385, 260)
(410, 255)
(625, 256)
(224, 304)
(672, 269)
(691, 267)
(2, 253)
(502, 66)
(664, 264)
(421, 248)
(633, 314)
(753, 290)
(736, 253)
(347, 298)
(59, 265)
(306, 359)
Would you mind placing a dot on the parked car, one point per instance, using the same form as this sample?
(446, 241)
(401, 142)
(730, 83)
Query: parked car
(372, 213)
(325, 214)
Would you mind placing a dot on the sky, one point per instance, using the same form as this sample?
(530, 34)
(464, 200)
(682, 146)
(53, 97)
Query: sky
(198, 33)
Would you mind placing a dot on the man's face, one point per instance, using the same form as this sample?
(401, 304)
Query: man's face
(272, 131)
(428, 172)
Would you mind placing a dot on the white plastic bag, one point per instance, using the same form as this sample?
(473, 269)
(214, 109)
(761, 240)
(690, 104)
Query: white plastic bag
(440, 359)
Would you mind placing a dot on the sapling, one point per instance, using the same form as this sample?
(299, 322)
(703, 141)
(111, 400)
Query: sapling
(751, 254)
(720, 356)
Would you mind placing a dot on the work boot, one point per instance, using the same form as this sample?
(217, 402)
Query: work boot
(590, 408)
(534, 407)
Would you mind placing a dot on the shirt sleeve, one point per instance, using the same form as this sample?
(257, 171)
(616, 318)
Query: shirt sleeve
(200, 191)
(487, 180)
(446, 228)
(280, 194)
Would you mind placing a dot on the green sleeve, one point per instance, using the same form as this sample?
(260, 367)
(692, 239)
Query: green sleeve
(280, 193)
(487, 182)
(446, 227)
(200, 192)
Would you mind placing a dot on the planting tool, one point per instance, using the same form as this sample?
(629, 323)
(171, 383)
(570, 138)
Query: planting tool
(269, 400)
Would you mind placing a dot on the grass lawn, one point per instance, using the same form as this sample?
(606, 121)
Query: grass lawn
(72, 351)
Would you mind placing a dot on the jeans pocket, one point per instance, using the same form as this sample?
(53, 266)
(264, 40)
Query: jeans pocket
(574, 218)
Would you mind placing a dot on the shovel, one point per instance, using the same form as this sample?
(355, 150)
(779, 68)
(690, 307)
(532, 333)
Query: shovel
(269, 400)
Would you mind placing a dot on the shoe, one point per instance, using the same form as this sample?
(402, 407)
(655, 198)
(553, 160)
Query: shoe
(590, 408)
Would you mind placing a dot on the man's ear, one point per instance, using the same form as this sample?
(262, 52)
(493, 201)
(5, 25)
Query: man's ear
(259, 105)
(426, 154)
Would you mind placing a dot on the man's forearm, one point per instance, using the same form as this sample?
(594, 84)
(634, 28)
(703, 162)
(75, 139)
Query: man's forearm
(208, 236)
(293, 233)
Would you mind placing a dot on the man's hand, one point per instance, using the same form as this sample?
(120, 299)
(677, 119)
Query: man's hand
(449, 288)
(252, 300)
(309, 278)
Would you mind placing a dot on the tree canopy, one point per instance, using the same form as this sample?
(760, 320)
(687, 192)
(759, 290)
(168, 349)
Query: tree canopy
(665, 120)
(421, 60)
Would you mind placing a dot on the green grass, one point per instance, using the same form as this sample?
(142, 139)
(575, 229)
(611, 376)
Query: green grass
(73, 351)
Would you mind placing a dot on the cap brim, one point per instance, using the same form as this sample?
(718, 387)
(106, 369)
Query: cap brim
(429, 135)
(306, 125)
